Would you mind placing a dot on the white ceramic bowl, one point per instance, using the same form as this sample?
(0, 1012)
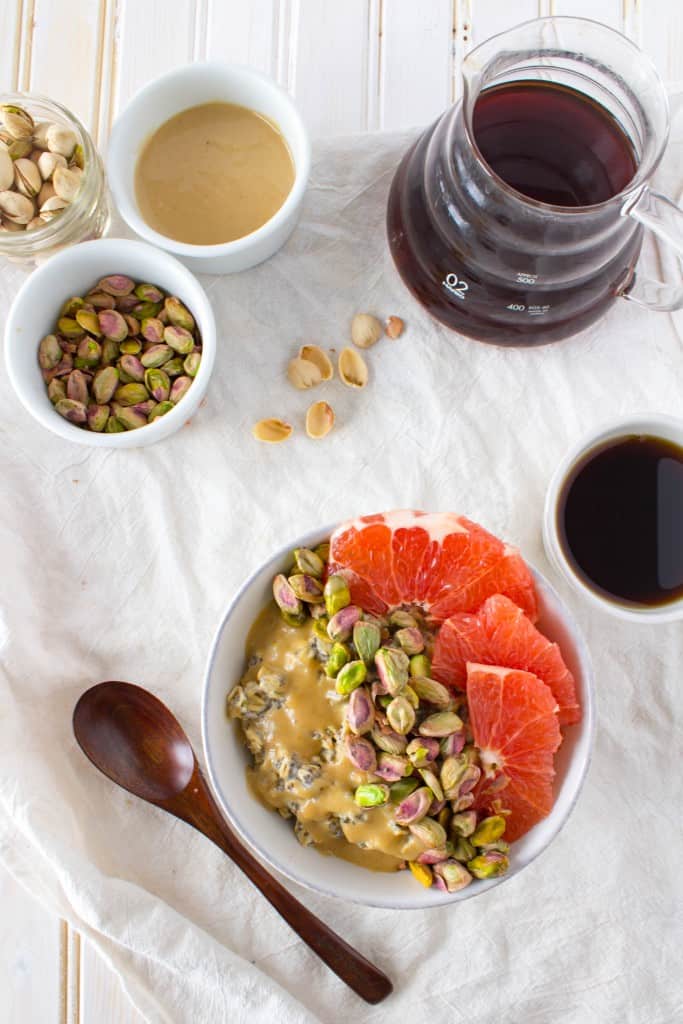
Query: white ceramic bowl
(74, 271)
(272, 838)
(187, 87)
(647, 424)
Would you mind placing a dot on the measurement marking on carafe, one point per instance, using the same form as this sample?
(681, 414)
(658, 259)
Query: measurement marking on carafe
(455, 285)
(527, 278)
(519, 307)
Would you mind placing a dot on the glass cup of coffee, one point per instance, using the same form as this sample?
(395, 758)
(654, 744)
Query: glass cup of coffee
(517, 218)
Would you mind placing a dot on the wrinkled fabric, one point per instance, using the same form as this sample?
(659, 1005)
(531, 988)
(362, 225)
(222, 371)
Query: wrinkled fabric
(118, 565)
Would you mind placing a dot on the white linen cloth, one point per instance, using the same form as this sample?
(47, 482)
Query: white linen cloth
(118, 565)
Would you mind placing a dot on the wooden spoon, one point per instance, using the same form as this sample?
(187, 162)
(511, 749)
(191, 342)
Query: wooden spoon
(136, 742)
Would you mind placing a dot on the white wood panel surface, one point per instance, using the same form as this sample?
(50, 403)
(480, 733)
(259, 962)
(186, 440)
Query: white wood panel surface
(352, 66)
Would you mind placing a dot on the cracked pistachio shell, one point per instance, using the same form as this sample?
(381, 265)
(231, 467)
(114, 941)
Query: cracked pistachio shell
(66, 183)
(48, 164)
(49, 352)
(316, 355)
(40, 129)
(273, 431)
(131, 365)
(88, 321)
(74, 412)
(16, 208)
(56, 390)
(179, 339)
(303, 374)
(360, 753)
(46, 192)
(179, 388)
(365, 330)
(97, 417)
(353, 369)
(27, 178)
(116, 285)
(20, 148)
(61, 140)
(319, 420)
(6, 171)
(77, 386)
(308, 562)
(192, 363)
(52, 207)
(157, 383)
(157, 355)
(16, 121)
(131, 394)
(105, 383)
(178, 314)
(160, 410)
(112, 324)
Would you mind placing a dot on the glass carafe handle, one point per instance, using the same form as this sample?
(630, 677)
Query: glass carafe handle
(665, 219)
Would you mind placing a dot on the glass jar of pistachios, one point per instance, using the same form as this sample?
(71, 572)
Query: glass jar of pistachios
(52, 187)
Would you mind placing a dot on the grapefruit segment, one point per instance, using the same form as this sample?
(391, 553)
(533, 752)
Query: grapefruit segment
(501, 634)
(444, 562)
(513, 716)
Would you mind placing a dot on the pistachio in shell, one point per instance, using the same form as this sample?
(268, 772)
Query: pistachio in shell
(27, 178)
(48, 164)
(61, 140)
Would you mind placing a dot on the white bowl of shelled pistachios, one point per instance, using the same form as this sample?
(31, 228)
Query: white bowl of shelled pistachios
(273, 836)
(111, 344)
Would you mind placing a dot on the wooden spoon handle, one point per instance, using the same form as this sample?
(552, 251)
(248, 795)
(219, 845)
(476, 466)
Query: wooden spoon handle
(364, 978)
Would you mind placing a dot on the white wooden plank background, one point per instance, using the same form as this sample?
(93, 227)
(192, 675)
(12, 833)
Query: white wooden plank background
(353, 66)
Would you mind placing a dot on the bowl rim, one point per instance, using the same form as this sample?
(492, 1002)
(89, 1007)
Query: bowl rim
(45, 415)
(289, 869)
(646, 424)
(125, 199)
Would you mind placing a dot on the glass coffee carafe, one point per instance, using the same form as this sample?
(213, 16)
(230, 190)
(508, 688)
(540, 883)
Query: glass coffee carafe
(517, 218)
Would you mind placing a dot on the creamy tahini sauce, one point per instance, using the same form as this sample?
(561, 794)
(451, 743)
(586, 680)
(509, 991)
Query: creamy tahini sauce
(294, 738)
(212, 174)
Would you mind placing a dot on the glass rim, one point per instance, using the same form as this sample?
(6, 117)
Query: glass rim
(644, 170)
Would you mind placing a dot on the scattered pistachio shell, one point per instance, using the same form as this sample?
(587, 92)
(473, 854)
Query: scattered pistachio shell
(61, 140)
(66, 182)
(319, 420)
(48, 164)
(393, 327)
(16, 208)
(365, 330)
(272, 430)
(352, 368)
(303, 374)
(16, 121)
(52, 207)
(316, 355)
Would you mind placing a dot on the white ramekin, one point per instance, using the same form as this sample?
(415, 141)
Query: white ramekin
(647, 424)
(272, 838)
(190, 86)
(75, 271)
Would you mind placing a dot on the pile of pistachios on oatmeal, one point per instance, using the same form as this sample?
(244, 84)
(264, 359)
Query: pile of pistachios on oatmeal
(352, 738)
